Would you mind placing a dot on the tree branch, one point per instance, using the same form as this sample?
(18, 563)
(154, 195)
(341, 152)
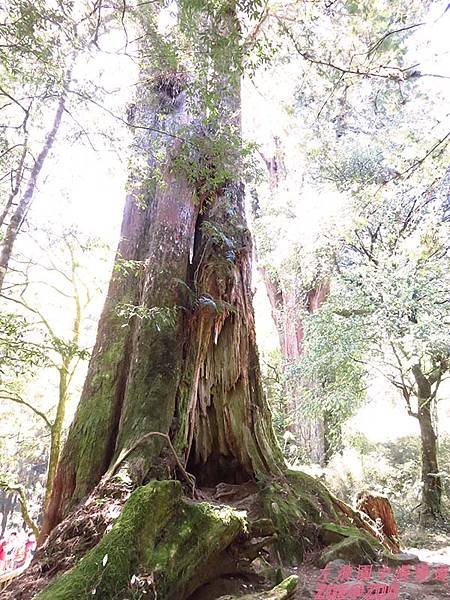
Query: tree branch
(15, 488)
(19, 400)
(190, 479)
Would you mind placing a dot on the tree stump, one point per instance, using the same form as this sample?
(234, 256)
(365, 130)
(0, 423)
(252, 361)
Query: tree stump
(379, 509)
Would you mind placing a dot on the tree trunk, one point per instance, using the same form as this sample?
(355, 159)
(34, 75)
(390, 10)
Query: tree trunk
(286, 309)
(56, 430)
(380, 511)
(430, 510)
(190, 367)
(177, 390)
(66, 371)
(286, 304)
(23, 206)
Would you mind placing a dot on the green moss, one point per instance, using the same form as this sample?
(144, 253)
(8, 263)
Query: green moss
(194, 538)
(348, 543)
(159, 538)
(108, 568)
(296, 504)
(332, 533)
(88, 441)
(352, 550)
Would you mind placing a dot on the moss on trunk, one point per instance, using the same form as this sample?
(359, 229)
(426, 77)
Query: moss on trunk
(160, 543)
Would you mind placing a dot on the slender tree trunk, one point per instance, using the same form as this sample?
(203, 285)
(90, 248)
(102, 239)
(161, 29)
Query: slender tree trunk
(17, 181)
(23, 206)
(431, 510)
(18, 491)
(56, 431)
(65, 373)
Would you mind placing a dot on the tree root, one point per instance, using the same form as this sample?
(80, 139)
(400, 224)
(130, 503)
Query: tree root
(190, 479)
(168, 546)
(163, 545)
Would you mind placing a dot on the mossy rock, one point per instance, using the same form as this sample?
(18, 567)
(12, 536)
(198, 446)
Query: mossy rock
(331, 533)
(402, 558)
(356, 551)
(281, 592)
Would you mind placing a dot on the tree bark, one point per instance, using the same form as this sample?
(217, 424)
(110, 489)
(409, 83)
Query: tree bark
(191, 368)
(155, 223)
(431, 508)
(380, 511)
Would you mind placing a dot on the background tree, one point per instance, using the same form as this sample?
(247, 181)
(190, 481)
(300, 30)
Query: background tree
(353, 109)
(66, 273)
(338, 95)
(395, 282)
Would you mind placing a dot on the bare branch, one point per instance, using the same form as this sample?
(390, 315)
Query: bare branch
(386, 35)
(15, 488)
(19, 400)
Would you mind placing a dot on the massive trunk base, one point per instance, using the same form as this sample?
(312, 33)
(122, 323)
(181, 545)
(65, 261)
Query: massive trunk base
(169, 545)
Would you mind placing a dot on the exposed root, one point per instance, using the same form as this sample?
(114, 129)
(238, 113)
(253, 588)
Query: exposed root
(165, 546)
(71, 539)
(190, 479)
(157, 542)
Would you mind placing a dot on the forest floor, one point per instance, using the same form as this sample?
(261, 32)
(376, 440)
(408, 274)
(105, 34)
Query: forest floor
(428, 579)
(377, 586)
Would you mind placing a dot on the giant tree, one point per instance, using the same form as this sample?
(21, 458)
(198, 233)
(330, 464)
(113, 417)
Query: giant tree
(173, 389)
